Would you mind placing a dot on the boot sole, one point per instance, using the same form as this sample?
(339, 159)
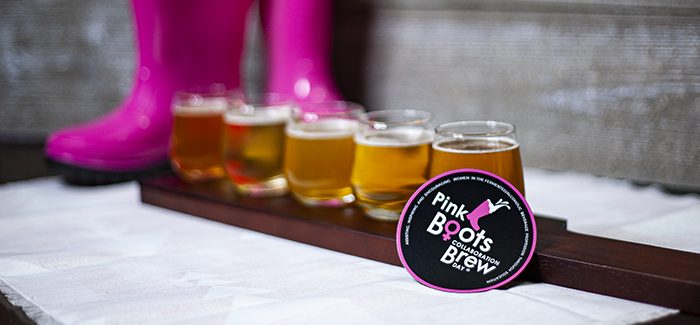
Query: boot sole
(91, 177)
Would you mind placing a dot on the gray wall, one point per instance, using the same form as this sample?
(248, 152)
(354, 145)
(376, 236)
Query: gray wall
(62, 62)
(606, 87)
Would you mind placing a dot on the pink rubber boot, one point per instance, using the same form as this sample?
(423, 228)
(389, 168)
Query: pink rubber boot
(182, 45)
(298, 35)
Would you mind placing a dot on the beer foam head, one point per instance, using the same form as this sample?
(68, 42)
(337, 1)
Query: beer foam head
(200, 107)
(323, 129)
(476, 145)
(397, 137)
(267, 115)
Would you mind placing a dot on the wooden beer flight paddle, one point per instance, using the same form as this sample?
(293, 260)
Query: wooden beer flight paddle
(643, 273)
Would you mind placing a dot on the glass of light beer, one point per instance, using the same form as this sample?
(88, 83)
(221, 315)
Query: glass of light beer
(195, 144)
(319, 152)
(254, 144)
(486, 145)
(392, 154)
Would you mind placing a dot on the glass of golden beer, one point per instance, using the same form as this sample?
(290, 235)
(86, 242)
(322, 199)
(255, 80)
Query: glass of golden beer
(486, 145)
(392, 154)
(195, 144)
(319, 152)
(254, 144)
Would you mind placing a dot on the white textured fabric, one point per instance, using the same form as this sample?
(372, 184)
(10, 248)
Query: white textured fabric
(98, 256)
(616, 209)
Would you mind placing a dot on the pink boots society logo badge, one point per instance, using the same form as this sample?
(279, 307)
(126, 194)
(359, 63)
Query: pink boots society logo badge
(466, 231)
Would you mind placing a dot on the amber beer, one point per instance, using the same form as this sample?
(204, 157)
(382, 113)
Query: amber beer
(195, 150)
(319, 153)
(254, 148)
(489, 146)
(391, 160)
(319, 162)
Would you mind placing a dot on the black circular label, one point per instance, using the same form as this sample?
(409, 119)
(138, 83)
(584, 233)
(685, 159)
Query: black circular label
(466, 230)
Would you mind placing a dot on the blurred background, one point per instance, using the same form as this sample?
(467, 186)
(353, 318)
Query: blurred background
(607, 87)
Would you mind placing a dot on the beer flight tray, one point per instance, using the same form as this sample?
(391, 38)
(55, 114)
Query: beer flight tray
(643, 273)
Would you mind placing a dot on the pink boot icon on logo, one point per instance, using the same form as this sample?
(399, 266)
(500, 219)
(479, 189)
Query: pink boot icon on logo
(484, 209)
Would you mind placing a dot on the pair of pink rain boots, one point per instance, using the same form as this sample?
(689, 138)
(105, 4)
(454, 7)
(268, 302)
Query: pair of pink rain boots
(191, 45)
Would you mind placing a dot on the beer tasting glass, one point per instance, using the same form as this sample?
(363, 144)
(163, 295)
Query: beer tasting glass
(486, 145)
(195, 144)
(319, 152)
(254, 144)
(391, 160)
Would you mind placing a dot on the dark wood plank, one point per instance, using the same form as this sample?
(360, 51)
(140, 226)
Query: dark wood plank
(626, 270)
(675, 319)
(19, 161)
(345, 230)
(621, 269)
(11, 314)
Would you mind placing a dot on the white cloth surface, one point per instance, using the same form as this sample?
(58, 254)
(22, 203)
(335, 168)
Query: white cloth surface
(616, 209)
(98, 256)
